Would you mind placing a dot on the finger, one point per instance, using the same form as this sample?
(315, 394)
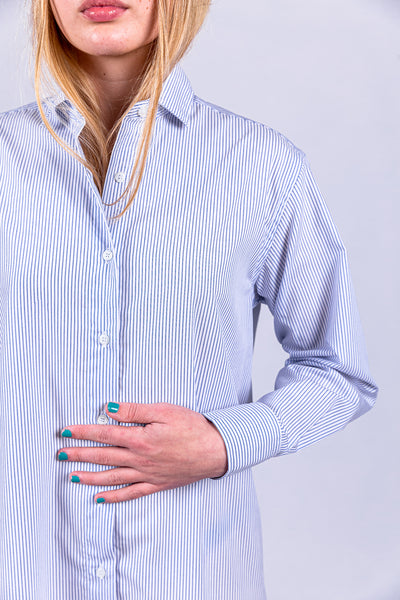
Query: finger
(110, 477)
(130, 492)
(119, 457)
(115, 435)
(133, 412)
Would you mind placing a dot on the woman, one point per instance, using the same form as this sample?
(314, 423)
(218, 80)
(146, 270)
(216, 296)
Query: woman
(139, 228)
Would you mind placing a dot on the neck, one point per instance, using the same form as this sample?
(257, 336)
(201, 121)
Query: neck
(117, 80)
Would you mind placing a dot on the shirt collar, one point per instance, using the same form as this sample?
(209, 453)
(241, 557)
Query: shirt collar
(176, 98)
(177, 95)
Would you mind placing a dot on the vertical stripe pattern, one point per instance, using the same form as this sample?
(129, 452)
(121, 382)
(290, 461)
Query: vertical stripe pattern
(158, 307)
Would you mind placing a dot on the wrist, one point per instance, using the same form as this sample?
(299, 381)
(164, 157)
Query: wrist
(219, 455)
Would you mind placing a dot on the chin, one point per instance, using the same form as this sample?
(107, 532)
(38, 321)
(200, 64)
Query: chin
(107, 48)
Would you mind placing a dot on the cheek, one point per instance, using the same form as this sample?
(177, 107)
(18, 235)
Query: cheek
(150, 16)
(63, 17)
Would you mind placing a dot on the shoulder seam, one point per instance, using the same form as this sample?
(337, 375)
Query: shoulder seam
(286, 201)
(225, 111)
(268, 245)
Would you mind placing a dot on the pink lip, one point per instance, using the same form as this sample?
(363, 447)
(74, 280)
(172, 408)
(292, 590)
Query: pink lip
(103, 14)
(88, 4)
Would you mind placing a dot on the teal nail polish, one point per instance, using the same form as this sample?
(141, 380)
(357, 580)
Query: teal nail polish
(100, 500)
(75, 479)
(63, 456)
(112, 407)
(66, 433)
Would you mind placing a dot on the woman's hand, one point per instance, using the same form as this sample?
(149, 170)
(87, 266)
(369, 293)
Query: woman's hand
(177, 446)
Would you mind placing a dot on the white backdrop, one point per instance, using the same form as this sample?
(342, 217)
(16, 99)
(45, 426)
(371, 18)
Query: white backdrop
(326, 74)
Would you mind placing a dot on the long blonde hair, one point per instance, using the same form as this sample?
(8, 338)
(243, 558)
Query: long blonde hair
(178, 23)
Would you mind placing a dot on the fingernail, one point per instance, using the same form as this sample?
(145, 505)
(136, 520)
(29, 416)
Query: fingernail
(100, 500)
(66, 433)
(112, 407)
(75, 479)
(63, 456)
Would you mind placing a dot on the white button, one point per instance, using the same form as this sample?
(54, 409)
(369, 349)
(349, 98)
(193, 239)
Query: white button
(108, 254)
(101, 572)
(104, 339)
(142, 111)
(103, 419)
(119, 177)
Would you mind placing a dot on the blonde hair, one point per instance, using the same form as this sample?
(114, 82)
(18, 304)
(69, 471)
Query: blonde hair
(178, 23)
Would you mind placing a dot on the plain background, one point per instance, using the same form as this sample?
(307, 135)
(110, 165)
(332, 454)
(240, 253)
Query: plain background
(326, 74)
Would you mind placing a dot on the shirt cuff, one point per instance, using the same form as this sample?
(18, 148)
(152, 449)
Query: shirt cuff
(251, 433)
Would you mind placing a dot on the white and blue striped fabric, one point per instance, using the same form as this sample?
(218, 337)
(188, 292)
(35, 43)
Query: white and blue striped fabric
(158, 307)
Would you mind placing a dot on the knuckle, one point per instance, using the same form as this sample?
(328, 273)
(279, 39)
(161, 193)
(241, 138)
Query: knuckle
(166, 409)
(141, 446)
(150, 462)
(114, 477)
(103, 435)
(146, 464)
(138, 492)
(132, 411)
(99, 456)
(136, 440)
(106, 459)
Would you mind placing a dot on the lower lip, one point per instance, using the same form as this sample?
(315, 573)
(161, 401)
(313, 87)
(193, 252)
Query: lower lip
(102, 14)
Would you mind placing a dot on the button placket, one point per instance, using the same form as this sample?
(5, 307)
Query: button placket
(104, 337)
(105, 327)
(119, 168)
(101, 560)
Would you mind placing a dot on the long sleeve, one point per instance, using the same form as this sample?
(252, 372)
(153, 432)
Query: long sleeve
(158, 307)
(325, 383)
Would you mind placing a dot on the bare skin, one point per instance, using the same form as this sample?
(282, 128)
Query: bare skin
(114, 53)
(177, 446)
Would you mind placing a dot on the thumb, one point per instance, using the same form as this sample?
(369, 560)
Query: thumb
(134, 412)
